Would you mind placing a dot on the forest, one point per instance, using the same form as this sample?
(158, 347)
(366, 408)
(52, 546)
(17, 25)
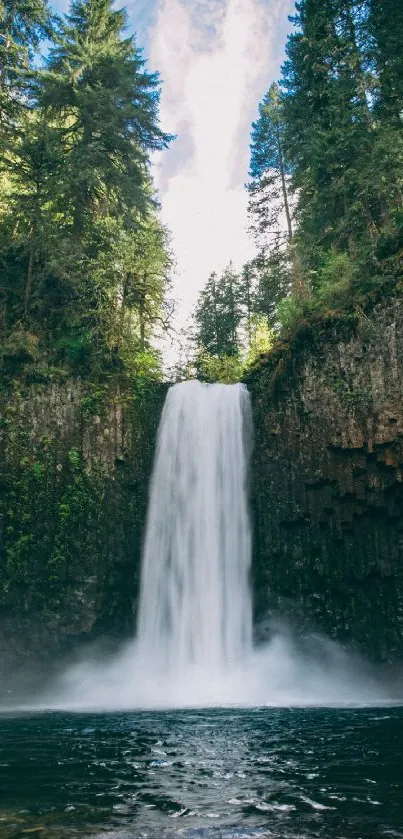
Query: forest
(85, 259)
(325, 188)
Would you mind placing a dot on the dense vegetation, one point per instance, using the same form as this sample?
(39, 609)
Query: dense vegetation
(326, 181)
(85, 260)
(84, 257)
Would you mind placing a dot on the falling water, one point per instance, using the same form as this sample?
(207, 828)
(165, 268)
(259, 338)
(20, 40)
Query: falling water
(194, 635)
(195, 603)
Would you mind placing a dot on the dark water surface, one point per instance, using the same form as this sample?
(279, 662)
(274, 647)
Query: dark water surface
(333, 774)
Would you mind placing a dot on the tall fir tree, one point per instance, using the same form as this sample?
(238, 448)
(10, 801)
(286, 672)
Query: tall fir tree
(22, 25)
(218, 314)
(106, 103)
(269, 187)
(331, 133)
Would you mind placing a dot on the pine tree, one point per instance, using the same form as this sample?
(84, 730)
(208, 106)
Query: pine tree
(385, 26)
(106, 103)
(22, 25)
(269, 188)
(329, 130)
(218, 314)
(271, 277)
(207, 317)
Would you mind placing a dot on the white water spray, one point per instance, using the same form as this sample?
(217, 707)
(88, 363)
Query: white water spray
(194, 639)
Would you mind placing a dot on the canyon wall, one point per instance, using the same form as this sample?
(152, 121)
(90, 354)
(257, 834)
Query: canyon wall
(328, 479)
(75, 464)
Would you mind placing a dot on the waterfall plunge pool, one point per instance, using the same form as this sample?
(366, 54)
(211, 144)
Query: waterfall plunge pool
(204, 774)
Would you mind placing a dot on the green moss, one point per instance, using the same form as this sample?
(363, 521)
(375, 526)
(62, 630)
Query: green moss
(72, 526)
(94, 399)
(327, 491)
(313, 327)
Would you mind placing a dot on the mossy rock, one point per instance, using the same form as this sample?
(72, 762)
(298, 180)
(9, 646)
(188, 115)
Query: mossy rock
(21, 347)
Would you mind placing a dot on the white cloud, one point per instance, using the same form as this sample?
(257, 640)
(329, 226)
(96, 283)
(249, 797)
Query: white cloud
(216, 59)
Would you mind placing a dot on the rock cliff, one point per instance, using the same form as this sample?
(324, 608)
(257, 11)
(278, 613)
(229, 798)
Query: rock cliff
(75, 465)
(328, 479)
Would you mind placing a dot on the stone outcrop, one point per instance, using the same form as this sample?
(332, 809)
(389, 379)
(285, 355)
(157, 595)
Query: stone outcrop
(75, 464)
(328, 480)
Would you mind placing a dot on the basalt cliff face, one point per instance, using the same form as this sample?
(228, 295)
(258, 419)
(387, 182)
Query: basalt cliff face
(75, 464)
(328, 480)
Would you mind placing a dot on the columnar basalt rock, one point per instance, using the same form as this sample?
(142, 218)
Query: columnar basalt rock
(75, 464)
(328, 480)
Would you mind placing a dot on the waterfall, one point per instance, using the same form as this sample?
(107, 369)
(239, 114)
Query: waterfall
(194, 636)
(195, 602)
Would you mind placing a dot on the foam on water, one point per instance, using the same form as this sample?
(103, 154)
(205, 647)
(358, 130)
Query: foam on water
(194, 638)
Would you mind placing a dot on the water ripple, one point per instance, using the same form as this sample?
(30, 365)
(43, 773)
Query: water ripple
(245, 774)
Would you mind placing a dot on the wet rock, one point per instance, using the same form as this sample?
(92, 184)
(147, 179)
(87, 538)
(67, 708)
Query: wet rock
(327, 482)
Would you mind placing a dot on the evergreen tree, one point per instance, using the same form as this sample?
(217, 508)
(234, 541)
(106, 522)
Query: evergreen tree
(385, 26)
(271, 276)
(85, 258)
(22, 24)
(269, 188)
(218, 314)
(144, 261)
(339, 122)
(207, 317)
(328, 132)
(106, 104)
(247, 298)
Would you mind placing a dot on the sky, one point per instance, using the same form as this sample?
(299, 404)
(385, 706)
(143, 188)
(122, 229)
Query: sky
(216, 59)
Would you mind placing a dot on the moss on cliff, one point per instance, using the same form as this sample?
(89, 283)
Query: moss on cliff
(328, 487)
(76, 458)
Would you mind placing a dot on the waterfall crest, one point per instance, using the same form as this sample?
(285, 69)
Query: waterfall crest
(195, 604)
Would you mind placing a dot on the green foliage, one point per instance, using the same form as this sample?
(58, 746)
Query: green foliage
(226, 369)
(329, 141)
(272, 277)
(289, 311)
(335, 279)
(85, 258)
(21, 346)
(385, 25)
(71, 530)
(261, 340)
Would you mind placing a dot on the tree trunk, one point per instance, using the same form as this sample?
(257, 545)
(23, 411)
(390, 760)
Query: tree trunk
(7, 42)
(357, 67)
(142, 318)
(28, 282)
(284, 187)
(123, 311)
(248, 307)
